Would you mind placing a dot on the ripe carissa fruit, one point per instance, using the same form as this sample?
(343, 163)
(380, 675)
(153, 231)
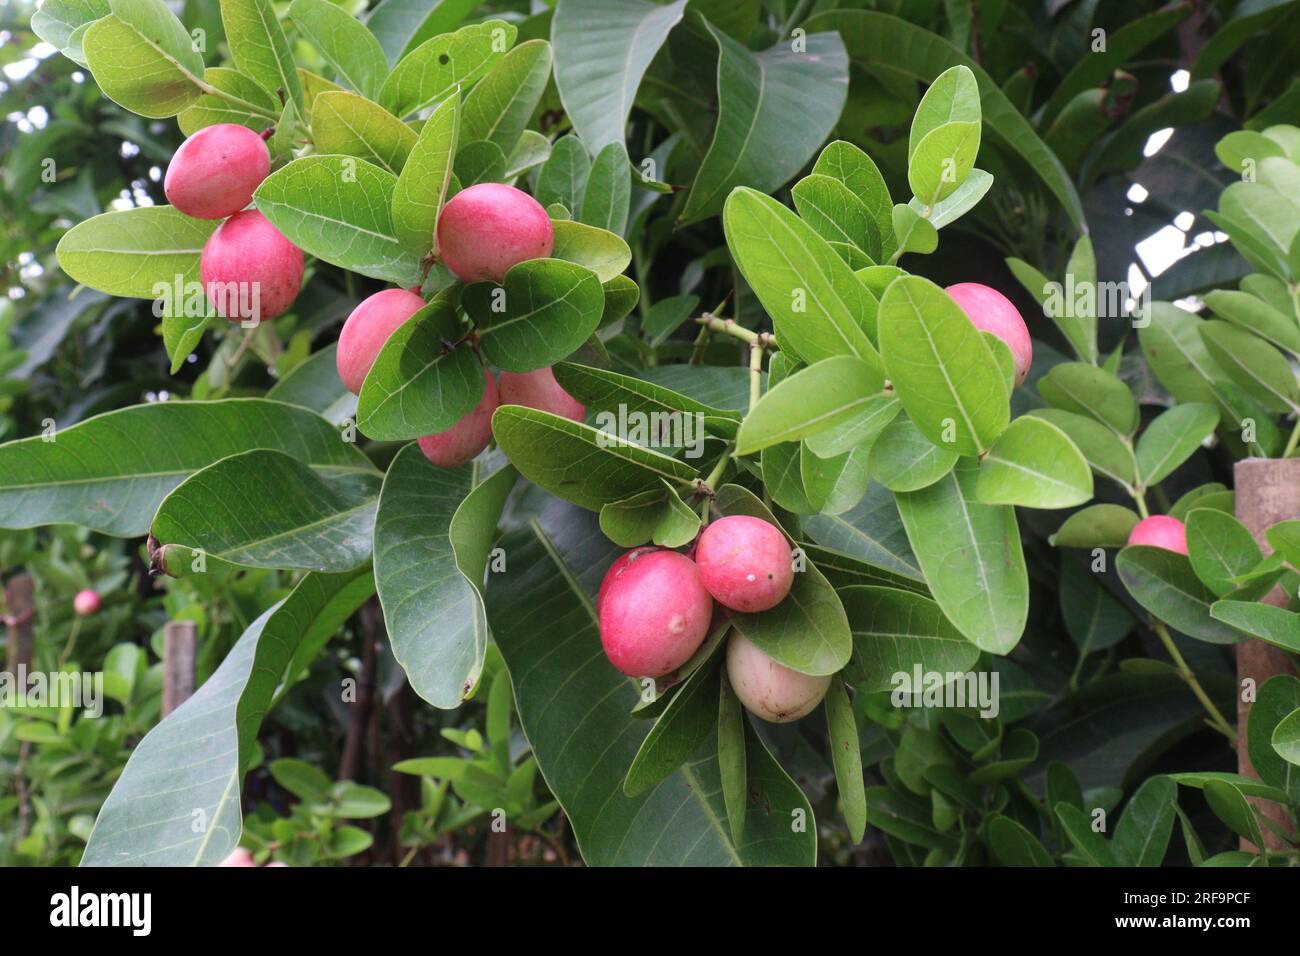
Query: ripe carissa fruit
(991, 311)
(368, 328)
(490, 227)
(86, 602)
(540, 390)
(249, 270)
(745, 563)
(463, 441)
(1160, 531)
(654, 612)
(616, 569)
(215, 171)
(238, 857)
(768, 689)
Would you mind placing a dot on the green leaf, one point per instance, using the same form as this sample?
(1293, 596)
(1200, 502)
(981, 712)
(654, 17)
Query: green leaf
(578, 463)
(1079, 330)
(563, 179)
(599, 250)
(1097, 526)
(209, 110)
(1012, 845)
(1143, 832)
(109, 473)
(887, 42)
(1163, 582)
(1105, 451)
(903, 459)
(1230, 805)
(339, 209)
(351, 49)
(846, 754)
(417, 386)
(685, 724)
(818, 397)
(299, 519)
(1256, 315)
(895, 631)
(351, 125)
(1250, 786)
(433, 532)
(604, 391)
(402, 25)
(1275, 625)
(857, 171)
(1172, 438)
(436, 67)
(813, 297)
(759, 141)
(602, 50)
(148, 819)
(857, 431)
(834, 485)
(1260, 369)
(1285, 538)
(959, 202)
(1093, 392)
(499, 106)
(971, 556)
(607, 196)
(940, 366)
(902, 817)
(143, 59)
(543, 313)
(732, 731)
(136, 252)
(659, 517)
(1275, 705)
(314, 384)
(55, 21)
(423, 181)
(942, 161)
(1220, 549)
(808, 631)
(1286, 738)
(1035, 465)
(836, 213)
(1090, 844)
(259, 48)
(583, 737)
(1095, 620)
(301, 779)
(912, 231)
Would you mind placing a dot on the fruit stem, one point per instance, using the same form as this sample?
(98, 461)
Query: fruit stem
(1217, 720)
(1293, 441)
(755, 374)
(765, 340)
(711, 482)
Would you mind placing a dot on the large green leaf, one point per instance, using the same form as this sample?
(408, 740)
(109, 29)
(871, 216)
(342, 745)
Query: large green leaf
(259, 47)
(602, 49)
(499, 106)
(818, 306)
(143, 59)
(601, 390)
(266, 509)
(109, 473)
(895, 631)
(423, 181)
(439, 65)
(351, 49)
(1035, 465)
(941, 367)
(578, 463)
(1172, 438)
(893, 45)
(339, 208)
(1163, 582)
(971, 556)
(136, 252)
(177, 802)
(574, 709)
(775, 109)
(402, 25)
(351, 125)
(432, 535)
(1275, 703)
(1143, 832)
(811, 400)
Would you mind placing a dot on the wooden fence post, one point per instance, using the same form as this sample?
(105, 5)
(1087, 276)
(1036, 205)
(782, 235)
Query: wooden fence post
(180, 640)
(1267, 491)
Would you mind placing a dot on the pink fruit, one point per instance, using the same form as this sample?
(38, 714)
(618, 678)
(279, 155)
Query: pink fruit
(463, 441)
(215, 171)
(1160, 531)
(368, 328)
(86, 602)
(991, 311)
(616, 569)
(654, 613)
(490, 227)
(770, 690)
(240, 857)
(745, 563)
(540, 390)
(249, 270)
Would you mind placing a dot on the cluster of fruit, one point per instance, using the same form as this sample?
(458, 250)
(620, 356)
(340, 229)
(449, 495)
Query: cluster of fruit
(250, 271)
(656, 608)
